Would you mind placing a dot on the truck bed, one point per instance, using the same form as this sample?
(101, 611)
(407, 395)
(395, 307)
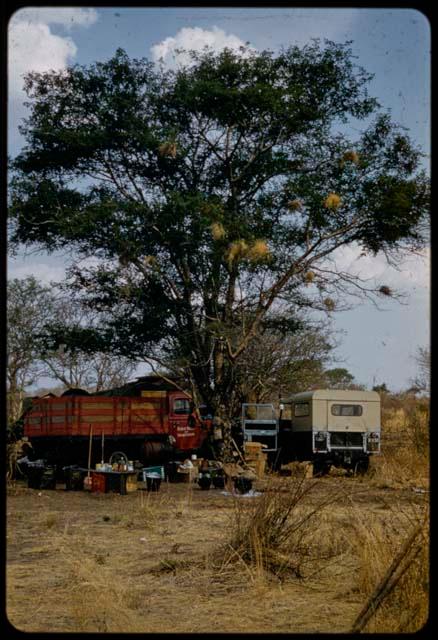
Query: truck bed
(111, 416)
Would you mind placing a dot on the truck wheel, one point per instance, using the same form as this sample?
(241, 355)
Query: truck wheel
(320, 468)
(361, 466)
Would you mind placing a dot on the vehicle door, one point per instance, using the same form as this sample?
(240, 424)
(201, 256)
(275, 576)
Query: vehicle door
(187, 436)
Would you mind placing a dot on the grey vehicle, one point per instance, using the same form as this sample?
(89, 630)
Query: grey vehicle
(330, 427)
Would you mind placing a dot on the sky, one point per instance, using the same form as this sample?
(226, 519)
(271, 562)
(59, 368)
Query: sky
(376, 345)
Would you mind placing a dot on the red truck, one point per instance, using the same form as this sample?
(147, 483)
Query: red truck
(153, 426)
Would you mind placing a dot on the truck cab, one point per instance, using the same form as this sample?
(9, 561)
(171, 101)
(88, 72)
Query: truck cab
(188, 431)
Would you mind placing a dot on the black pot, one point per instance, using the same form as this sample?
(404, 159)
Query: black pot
(219, 482)
(204, 482)
(48, 478)
(34, 476)
(74, 479)
(153, 484)
(243, 485)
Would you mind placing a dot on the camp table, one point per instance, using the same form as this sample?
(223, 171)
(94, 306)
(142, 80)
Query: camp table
(115, 481)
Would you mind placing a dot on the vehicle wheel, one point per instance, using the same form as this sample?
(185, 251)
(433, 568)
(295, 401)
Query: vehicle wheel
(361, 466)
(320, 468)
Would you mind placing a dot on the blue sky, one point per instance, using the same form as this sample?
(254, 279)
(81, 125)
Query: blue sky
(393, 44)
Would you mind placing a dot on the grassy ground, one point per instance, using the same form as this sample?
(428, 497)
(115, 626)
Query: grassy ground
(186, 560)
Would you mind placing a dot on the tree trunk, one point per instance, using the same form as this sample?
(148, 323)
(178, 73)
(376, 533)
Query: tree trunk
(15, 397)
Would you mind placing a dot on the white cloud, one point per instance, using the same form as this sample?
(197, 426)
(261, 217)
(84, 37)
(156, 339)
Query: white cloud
(44, 272)
(32, 46)
(193, 39)
(412, 272)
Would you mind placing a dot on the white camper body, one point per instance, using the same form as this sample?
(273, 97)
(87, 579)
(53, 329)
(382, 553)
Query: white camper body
(332, 426)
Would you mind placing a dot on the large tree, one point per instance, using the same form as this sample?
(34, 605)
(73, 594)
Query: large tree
(214, 196)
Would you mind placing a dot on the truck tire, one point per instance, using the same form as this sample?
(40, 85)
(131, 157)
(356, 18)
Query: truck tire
(361, 466)
(320, 468)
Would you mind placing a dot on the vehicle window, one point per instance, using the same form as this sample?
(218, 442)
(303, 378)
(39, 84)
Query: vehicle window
(205, 412)
(301, 409)
(346, 410)
(181, 406)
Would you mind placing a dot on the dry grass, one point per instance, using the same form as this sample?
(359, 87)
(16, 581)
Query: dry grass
(394, 573)
(273, 534)
(332, 201)
(168, 149)
(134, 563)
(305, 556)
(404, 460)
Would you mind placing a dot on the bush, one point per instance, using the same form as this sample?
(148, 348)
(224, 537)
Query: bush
(274, 533)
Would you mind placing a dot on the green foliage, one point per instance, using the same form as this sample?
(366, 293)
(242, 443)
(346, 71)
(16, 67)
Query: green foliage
(381, 388)
(338, 378)
(134, 165)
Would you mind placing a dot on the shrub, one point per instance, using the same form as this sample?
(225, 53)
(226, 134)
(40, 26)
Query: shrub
(274, 534)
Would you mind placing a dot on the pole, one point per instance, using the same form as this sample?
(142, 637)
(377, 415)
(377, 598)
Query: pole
(103, 440)
(89, 449)
(87, 480)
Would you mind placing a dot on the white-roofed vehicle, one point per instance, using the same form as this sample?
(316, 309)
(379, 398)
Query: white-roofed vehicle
(328, 427)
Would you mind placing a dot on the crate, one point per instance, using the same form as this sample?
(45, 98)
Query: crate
(147, 470)
(254, 448)
(255, 457)
(98, 482)
(116, 482)
(259, 466)
(121, 482)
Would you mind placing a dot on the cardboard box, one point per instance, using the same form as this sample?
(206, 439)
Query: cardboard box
(188, 475)
(254, 448)
(131, 483)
